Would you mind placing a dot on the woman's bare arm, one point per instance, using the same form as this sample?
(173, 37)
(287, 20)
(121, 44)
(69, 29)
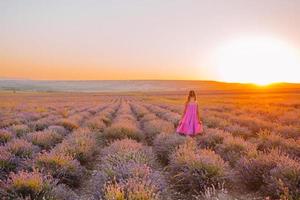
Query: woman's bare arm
(184, 111)
(198, 113)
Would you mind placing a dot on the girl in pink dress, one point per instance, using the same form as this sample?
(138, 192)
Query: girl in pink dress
(190, 123)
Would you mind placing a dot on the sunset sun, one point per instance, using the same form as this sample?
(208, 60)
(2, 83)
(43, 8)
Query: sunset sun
(259, 60)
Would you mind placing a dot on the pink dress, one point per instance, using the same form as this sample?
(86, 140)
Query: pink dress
(189, 125)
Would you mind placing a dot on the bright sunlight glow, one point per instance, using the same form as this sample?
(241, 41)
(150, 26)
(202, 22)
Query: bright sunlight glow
(259, 60)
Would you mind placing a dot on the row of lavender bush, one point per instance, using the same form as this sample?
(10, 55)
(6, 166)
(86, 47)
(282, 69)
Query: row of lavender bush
(61, 165)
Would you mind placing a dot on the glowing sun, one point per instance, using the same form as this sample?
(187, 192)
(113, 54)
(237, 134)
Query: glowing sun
(259, 60)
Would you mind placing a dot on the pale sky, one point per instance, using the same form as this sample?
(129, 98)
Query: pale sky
(139, 39)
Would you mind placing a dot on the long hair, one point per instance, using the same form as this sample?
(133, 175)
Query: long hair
(191, 94)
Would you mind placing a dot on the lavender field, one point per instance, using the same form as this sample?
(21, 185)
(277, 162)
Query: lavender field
(69, 146)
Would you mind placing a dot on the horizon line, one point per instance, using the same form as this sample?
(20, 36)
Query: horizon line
(203, 80)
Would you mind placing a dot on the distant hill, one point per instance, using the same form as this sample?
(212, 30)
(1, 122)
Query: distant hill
(139, 86)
